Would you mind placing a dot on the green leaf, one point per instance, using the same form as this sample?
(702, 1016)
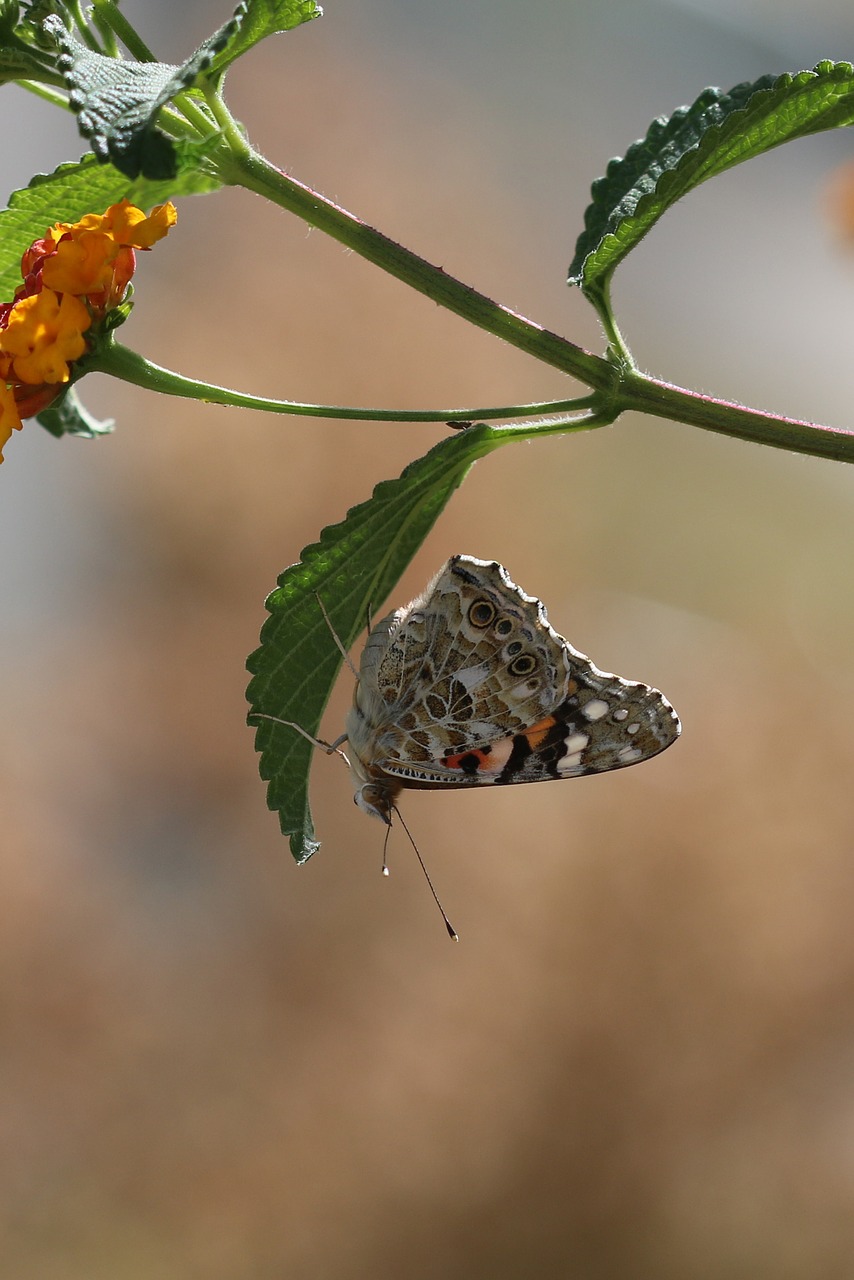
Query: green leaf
(21, 64)
(18, 60)
(352, 569)
(67, 194)
(265, 18)
(698, 142)
(117, 100)
(68, 417)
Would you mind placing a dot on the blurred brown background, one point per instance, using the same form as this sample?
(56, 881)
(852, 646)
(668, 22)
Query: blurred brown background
(640, 1059)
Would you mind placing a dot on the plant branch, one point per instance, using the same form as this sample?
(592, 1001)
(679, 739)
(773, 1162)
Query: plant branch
(121, 362)
(244, 167)
(649, 395)
(52, 90)
(619, 384)
(637, 391)
(107, 11)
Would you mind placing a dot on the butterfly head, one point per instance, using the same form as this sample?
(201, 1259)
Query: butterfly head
(376, 799)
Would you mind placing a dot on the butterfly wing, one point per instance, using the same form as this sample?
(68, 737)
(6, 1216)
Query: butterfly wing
(605, 723)
(470, 684)
(470, 660)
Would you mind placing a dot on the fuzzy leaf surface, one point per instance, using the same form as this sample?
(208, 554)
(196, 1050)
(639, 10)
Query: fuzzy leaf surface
(117, 100)
(696, 143)
(262, 18)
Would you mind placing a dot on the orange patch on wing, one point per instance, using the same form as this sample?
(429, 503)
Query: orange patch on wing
(490, 759)
(493, 758)
(483, 756)
(538, 732)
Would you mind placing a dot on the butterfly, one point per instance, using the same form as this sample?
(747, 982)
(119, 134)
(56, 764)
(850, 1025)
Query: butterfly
(470, 686)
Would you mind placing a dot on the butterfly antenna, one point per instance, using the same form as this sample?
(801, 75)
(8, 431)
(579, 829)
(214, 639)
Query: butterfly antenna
(452, 933)
(335, 636)
(385, 849)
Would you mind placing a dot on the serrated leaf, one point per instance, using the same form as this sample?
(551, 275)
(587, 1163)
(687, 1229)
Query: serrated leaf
(352, 569)
(69, 417)
(67, 194)
(117, 100)
(265, 18)
(679, 152)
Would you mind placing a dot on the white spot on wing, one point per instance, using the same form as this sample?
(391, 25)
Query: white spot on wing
(595, 709)
(576, 742)
(469, 677)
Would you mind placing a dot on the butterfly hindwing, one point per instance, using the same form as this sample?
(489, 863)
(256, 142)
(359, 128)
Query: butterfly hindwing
(606, 723)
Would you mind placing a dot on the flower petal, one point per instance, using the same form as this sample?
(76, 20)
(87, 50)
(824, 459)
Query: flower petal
(81, 264)
(43, 333)
(10, 419)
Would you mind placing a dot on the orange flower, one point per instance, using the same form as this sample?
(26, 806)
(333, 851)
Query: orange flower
(129, 225)
(72, 277)
(43, 333)
(10, 419)
(95, 256)
(80, 264)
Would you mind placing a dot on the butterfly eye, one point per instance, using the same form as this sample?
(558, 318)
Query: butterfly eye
(503, 627)
(523, 665)
(481, 613)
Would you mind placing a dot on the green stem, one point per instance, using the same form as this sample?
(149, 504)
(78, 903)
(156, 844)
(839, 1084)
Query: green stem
(649, 395)
(192, 114)
(244, 167)
(118, 23)
(618, 347)
(121, 362)
(86, 33)
(617, 381)
(494, 437)
(54, 96)
(637, 391)
(231, 132)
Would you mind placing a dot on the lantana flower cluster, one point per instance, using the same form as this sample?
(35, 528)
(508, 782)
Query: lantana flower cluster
(72, 279)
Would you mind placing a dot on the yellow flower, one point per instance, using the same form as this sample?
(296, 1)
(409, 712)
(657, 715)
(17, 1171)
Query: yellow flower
(81, 264)
(129, 225)
(43, 333)
(123, 223)
(96, 253)
(72, 279)
(9, 417)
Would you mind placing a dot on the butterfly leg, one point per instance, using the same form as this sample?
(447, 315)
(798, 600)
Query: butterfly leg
(331, 748)
(345, 655)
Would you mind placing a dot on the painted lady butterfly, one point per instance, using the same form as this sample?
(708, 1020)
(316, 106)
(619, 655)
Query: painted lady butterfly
(469, 685)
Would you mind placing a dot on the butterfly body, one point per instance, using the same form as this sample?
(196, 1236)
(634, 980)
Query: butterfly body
(469, 685)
